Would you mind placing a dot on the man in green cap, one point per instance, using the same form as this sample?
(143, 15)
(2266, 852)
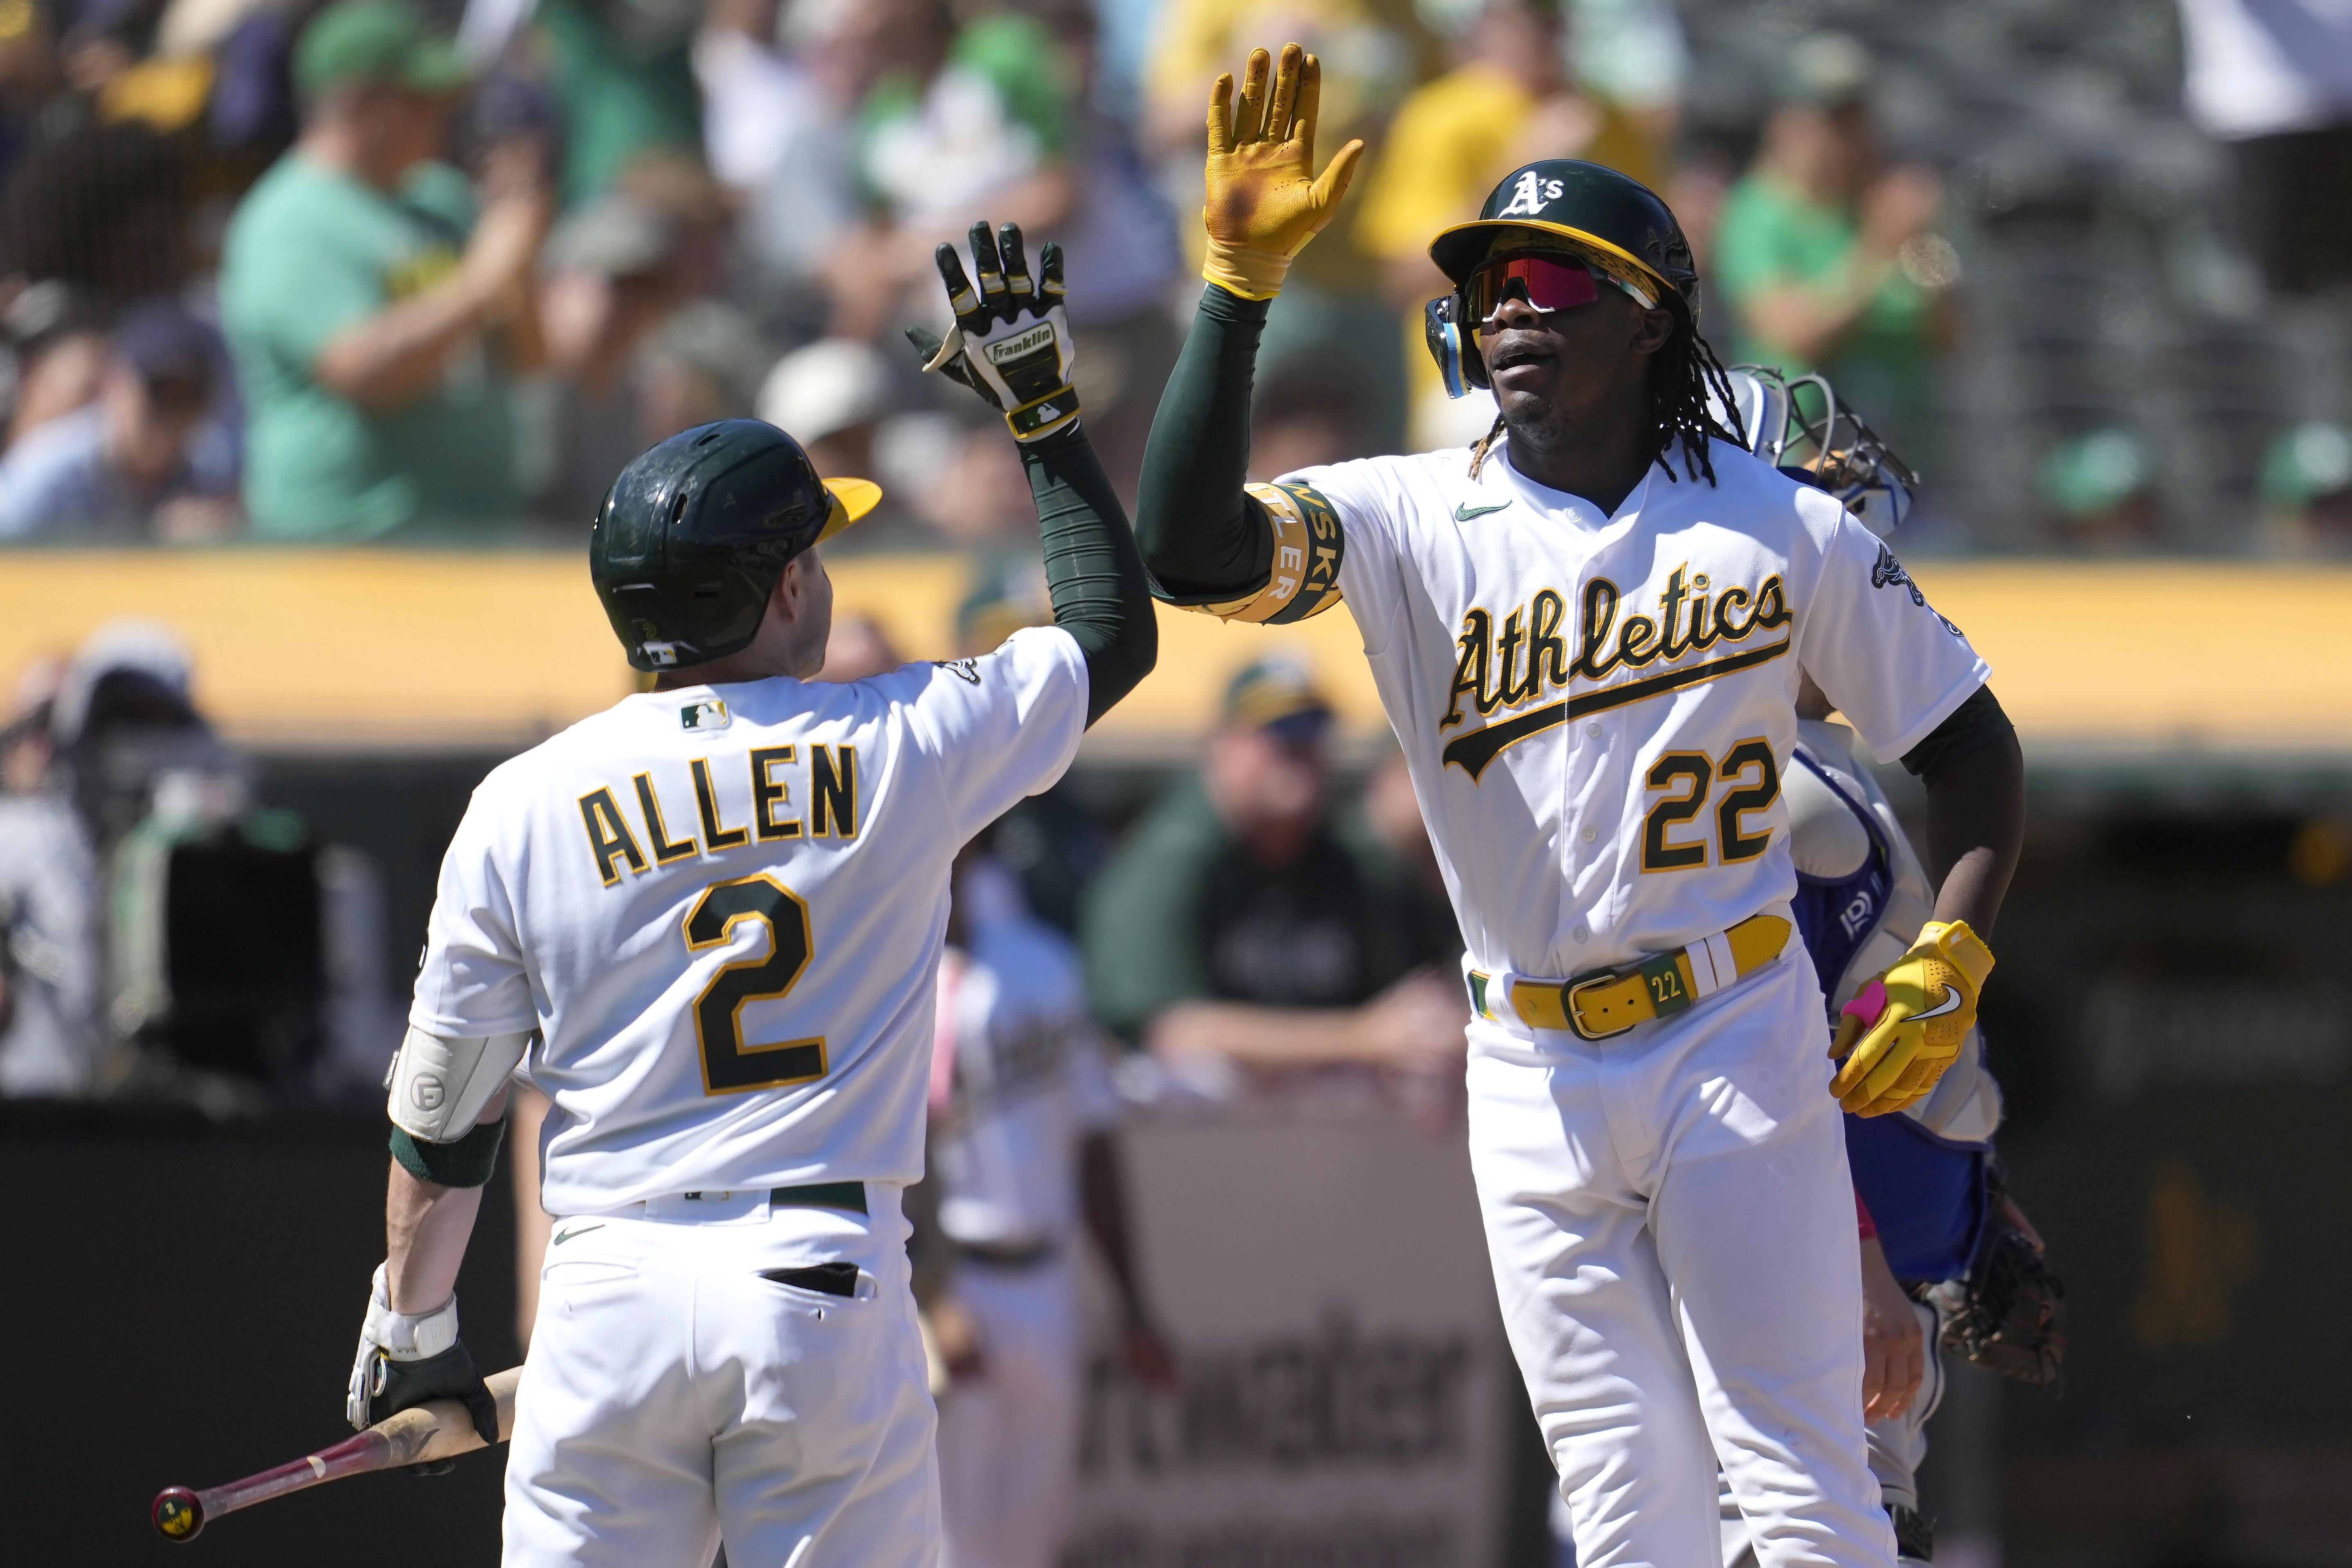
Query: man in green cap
(375, 318)
(1240, 926)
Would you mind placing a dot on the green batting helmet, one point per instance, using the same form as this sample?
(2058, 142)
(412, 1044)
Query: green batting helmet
(693, 535)
(1609, 220)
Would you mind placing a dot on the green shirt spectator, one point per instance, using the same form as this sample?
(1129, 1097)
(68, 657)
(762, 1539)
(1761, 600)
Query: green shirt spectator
(626, 87)
(356, 289)
(1239, 922)
(1826, 257)
(996, 111)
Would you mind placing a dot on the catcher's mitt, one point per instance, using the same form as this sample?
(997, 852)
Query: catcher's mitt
(2009, 1314)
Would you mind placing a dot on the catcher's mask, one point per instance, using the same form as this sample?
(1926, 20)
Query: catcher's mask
(1799, 426)
(1613, 224)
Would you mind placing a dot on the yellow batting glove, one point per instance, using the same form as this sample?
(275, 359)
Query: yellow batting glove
(1265, 200)
(1894, 1039)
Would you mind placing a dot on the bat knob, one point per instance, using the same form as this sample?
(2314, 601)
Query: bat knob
(178, 1513)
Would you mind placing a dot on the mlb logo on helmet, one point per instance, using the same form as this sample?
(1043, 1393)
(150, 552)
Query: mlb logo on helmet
(707, 714)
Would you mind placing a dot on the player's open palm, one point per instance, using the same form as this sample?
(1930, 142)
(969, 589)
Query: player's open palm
(1011, 342)
(1262, 192)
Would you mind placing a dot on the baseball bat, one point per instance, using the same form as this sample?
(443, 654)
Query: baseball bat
(439, 1429)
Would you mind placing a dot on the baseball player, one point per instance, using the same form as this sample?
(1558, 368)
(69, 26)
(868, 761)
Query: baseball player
(1022, 1110)
(1922, 1175)
(706, 924)
(1587, 631)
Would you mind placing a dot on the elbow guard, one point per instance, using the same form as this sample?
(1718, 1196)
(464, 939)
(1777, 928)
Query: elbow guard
(468, 1162)
(441, 1087)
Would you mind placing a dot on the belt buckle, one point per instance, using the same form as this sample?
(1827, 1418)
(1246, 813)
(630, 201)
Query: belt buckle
(1569, 992)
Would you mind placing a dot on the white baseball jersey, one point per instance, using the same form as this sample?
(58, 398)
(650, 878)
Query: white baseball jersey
(721, 908)
(1029, 1076)
(1598, 710)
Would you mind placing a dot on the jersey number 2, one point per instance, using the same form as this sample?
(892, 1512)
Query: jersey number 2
(1690, 775)
(729, 1066)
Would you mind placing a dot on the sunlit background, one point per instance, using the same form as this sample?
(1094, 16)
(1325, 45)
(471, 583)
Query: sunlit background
(298, 454)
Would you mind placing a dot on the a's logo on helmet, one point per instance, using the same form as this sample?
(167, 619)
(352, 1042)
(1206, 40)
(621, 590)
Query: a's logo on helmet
(1531, 194)
(661, 654)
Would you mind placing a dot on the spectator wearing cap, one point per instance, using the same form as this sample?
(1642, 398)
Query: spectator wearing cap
(58, 347)
(1825, 252)
(2307, 491)
(831, 396)
(141, 460)
(2099, 491)
(50, 1031)
(638, 348)
(124, 691)
(374, 318)
(1237, 928)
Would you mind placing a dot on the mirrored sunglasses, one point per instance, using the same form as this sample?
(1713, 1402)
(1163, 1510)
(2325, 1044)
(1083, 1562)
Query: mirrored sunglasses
(1548, 283)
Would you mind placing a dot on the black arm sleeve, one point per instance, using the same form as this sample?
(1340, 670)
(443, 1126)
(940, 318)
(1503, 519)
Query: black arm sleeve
(1101, 595)
(1974, 725)
(1203, 536)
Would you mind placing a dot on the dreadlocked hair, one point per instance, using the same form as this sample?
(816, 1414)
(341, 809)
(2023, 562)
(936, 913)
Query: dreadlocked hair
(1687, 370)
(1484, 445)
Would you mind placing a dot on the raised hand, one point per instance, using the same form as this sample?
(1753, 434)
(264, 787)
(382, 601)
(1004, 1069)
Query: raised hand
(1012, 339)
(1265, 199)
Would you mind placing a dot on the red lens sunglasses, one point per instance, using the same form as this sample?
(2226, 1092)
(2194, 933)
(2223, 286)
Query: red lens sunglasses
(1547, 283)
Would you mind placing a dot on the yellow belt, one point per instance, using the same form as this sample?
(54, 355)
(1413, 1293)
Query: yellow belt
(1611, 1001)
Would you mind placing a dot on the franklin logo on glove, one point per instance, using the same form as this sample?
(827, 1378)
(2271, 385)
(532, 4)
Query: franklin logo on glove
(1023, 335)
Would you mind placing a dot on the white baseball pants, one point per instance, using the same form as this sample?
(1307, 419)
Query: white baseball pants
(1009, 1437)
(674, 1395)
(1671, 1223)
(1897, 1448)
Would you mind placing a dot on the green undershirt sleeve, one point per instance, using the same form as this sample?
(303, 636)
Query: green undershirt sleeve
(1203, 536)
(1101, 595)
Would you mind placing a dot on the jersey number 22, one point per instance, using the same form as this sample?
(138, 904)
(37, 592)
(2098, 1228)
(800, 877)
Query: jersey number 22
(729, 1066)
(1686, 776)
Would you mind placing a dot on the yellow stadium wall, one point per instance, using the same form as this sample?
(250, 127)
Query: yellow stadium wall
(310, 650)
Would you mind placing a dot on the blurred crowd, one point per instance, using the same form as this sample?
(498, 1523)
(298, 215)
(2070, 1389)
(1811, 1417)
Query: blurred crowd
(164, 936)
(1272, 922)
(433, 271)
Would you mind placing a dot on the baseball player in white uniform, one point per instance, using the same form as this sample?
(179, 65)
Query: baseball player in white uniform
(1587, 631)
(1860, 888)
(1022, 1110)
(706, 924)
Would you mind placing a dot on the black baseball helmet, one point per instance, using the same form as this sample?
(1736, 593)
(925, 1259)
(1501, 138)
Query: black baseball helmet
(692, 536)
(1610, 220)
